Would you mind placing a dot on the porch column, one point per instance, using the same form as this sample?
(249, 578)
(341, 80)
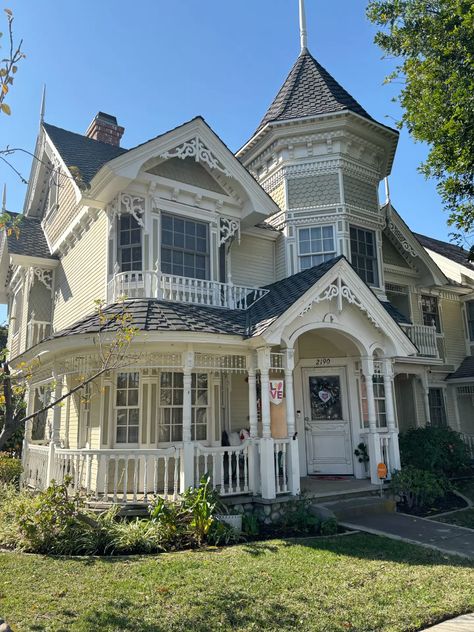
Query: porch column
(267, 454)
(187, 453)
(294, 459)
(254, 474)
(375, 453)
(394, 450)
(58, 391)
(426, 396)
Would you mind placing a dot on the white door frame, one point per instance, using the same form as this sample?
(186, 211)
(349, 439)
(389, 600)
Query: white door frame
(342, 427)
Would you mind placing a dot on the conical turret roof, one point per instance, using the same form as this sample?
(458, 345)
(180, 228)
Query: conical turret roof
(310, 90)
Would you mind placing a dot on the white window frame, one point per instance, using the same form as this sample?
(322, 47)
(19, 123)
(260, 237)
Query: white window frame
(375, 258)
(179, 406)
(118, 408)
(162, 246)
(323, 253)
(439, 324)
(442, 390)
(119, 247)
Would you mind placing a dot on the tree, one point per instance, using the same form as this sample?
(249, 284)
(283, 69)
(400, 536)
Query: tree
(113, 342)
(9, 64)
(434, 43)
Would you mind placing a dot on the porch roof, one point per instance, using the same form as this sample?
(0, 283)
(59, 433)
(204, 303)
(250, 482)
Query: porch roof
(158, 315)
(464, 371)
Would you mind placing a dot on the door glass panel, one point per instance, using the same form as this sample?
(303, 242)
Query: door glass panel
(325, 397)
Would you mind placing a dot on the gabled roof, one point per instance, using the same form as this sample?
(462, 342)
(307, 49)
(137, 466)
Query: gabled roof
(31, 240)
(76, 150)
(310, 90)
(155, 315)
(465, 370)
(446, 249)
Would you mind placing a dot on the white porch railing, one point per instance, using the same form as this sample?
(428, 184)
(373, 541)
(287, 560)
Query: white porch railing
(167, 287)
(120, 475)
(424, 338)
(469, 441)
(37, 331)
(35, 466)
(227, 467)
(281, 465)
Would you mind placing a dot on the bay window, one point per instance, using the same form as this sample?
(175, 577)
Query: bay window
(364, 254)
(171, 405)
(184, 247)
(316, 245)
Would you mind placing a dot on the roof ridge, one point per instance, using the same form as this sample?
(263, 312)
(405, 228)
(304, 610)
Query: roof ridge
(84, 136)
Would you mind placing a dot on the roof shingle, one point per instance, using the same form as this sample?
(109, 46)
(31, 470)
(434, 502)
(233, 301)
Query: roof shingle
(310, 90)
(31, 240)
(87, 154)
(465, 370)
(446, 249)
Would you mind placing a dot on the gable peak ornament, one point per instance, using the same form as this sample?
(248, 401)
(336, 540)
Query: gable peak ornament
(195, 148)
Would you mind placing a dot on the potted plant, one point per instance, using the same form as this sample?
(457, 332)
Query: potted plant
(362, 455)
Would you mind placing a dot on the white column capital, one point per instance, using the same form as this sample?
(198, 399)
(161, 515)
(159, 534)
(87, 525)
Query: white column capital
(188, 361)
(367, 366)
(264, 360)
(388, 368)
(289, 360)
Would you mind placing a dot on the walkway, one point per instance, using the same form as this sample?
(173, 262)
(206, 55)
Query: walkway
(436, 535)
(459, 624)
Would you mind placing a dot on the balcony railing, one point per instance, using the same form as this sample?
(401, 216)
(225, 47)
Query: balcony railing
(168, 287)
(37, 331)
(424, 338)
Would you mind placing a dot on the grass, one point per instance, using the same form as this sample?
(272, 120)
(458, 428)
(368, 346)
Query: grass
(355, 583)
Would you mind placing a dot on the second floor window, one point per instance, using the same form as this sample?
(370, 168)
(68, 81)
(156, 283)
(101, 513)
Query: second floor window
(364, 254)
(129, 244)
(184, 247)
(437, 407)
(470, 319)
(316, 245)
(430, 311)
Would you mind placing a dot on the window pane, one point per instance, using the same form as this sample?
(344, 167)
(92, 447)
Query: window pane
(122, 434)
(182, 240)
(133, 434)
(121, 398)
(133, 397)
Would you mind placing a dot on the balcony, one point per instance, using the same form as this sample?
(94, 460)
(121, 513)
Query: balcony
(168, 287)
(37, 331)
(424, 338)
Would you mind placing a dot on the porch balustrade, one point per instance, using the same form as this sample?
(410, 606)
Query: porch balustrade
(469, 441)
(37, 331)
(35, 466)
(424, 338)
(227, 467)
(281, 465)
(150, 284)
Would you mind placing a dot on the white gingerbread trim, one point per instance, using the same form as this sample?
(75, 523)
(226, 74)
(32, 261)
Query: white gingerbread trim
(229, 228)
(195, 148)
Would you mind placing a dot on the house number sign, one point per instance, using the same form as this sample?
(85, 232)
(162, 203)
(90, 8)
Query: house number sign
(322, 362)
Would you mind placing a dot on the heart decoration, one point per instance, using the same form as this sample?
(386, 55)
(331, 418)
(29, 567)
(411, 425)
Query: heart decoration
(324, 396)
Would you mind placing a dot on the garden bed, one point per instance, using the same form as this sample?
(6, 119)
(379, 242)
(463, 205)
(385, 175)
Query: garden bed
(450, 502)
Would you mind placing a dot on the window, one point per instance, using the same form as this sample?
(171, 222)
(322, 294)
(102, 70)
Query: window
(316, 245)
(129, 244)
(184, 247)
(86, 413)
(171, 403)
(399, 297)
(430, 310)
(379, 399)
(364, 254)
(470, 319)
(127, 407)
(437, 409)
(42, 398)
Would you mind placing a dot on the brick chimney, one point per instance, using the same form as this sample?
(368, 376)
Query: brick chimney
(105, 129)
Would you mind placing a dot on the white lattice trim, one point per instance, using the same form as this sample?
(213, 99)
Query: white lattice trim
(195, 148)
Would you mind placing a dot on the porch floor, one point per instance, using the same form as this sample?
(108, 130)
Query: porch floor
(325, 487)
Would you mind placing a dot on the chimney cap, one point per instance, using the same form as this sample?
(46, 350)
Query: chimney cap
(104, 128)
(106, 117)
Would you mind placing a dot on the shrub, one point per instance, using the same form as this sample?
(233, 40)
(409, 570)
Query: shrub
(417, 488)
(329, 526)
(250, 525)
(10, 468)
(297, 518)
(434, 449)
(222, 534)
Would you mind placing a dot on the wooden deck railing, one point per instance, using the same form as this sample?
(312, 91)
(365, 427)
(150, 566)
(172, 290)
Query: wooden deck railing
(424, 338)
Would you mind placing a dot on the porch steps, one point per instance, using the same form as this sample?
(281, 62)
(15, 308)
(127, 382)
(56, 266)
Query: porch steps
(362, 506)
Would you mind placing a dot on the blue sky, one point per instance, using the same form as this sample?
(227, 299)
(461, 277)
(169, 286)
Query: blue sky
(157, 63)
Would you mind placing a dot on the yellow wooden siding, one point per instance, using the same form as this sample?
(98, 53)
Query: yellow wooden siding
(81, 276)
(60, 219)
(453, 329)
(253, 261)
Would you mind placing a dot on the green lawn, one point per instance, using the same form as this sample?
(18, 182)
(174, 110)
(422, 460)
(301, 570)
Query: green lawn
(354, 583)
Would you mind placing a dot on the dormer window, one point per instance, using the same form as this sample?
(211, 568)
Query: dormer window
(316, 245)
(129, 244)
(184, 247)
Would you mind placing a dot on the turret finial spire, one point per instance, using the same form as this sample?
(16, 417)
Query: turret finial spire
(4, 199)
(303, 31)
(43, 105)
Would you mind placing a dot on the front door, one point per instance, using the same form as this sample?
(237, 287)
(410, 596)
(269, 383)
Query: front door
(327, 424)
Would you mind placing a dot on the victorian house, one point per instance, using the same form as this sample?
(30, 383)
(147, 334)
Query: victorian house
(283, 314)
